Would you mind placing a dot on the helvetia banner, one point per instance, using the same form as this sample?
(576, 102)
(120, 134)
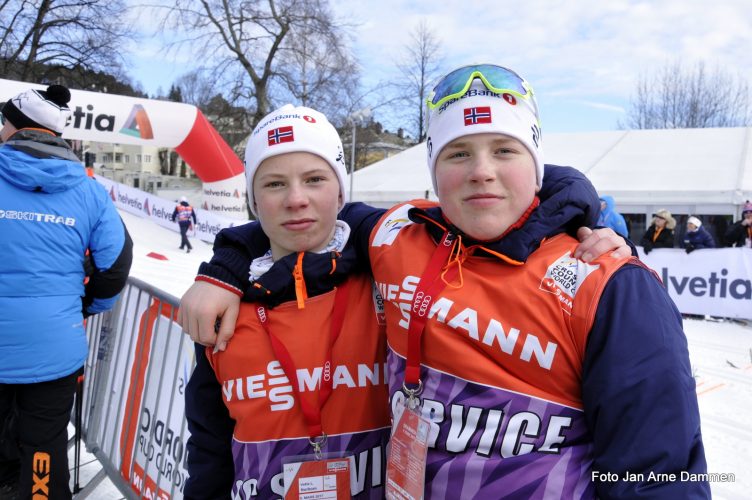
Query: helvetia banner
(714, 281)
(120, 119)
(159, 210)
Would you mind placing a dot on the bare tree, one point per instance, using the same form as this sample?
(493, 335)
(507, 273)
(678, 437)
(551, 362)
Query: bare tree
(198, 87)
(252, 46)
(317, 69)
(677, 97)
(420, 68)
(36, 35)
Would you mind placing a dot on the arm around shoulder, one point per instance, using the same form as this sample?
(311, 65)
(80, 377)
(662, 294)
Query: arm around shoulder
(362, 219)
(234, 249)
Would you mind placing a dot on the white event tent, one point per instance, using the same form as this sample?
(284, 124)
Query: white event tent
(688, 171)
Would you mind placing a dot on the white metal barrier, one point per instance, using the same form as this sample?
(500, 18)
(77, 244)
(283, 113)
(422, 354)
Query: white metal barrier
(133, 405)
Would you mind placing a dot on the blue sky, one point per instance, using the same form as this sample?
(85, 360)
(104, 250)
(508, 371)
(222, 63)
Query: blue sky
(583, 57)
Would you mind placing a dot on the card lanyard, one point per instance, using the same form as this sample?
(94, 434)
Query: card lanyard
(311, 413)
(431, 284)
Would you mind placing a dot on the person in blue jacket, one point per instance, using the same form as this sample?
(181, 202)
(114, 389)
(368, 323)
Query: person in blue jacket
(696, 237)
(611, 218)
(50, 214)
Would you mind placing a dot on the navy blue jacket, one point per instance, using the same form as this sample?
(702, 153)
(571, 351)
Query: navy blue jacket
(638, 390)
(698, 239)
(51, 213)
(183, 213)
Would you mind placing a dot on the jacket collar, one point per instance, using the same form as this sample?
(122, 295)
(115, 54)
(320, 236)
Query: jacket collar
(321, 272)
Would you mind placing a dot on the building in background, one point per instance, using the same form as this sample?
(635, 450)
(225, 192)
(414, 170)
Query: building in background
(156, 170)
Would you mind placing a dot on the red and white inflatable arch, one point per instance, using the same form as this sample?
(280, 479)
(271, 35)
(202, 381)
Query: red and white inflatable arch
(131, 120)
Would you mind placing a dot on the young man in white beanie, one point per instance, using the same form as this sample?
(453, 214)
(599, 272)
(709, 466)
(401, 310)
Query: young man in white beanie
(696, 237)
(538, 373)
(50, 215)
(304, 374)
(199, 306)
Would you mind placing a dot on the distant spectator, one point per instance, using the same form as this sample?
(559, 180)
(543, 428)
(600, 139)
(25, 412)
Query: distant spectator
(739, 234)
(697, 237)
(611, 218)
(660, 234)
(182, 214)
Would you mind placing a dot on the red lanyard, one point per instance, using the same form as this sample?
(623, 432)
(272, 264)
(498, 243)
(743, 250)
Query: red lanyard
(311, 413)
(431, 284)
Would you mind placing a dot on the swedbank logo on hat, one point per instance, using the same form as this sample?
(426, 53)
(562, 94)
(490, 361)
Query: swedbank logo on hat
(292, 129)
(481, 111)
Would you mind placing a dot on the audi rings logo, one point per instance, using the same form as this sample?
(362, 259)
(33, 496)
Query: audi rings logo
(421, 303)
(327, 371)
(261, 314)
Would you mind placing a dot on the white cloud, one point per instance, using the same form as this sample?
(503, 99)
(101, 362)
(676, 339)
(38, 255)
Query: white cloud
(589, 49)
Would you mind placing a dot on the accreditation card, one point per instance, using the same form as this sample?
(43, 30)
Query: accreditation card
(308, 478)
(406, 464)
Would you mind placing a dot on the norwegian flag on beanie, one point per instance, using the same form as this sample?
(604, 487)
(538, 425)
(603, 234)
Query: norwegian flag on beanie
(280, 135)
(481, 114)
(481, 111)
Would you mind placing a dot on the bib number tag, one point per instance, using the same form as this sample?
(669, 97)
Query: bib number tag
(307, 478)
(406, 463)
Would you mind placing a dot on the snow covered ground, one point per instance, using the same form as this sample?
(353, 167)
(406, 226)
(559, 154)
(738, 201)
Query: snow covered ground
(173, 275)
(721, 355)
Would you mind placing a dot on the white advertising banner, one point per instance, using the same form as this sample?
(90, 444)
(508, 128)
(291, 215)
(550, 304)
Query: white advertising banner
(715, 281)
(159, 210)
(120, 119)
(226, 196)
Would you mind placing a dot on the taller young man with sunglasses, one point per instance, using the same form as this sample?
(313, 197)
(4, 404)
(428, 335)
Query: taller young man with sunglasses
(542, 376)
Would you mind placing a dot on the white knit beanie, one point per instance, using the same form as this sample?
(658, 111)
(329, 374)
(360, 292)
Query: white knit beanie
(292, 129)
(46, 109)
(694, 220)
(482, 111)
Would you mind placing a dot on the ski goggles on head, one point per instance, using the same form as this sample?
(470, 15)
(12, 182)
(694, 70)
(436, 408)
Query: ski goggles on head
(496, 79)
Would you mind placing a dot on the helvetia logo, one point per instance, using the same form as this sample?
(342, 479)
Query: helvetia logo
(146, 207)
(138, 124)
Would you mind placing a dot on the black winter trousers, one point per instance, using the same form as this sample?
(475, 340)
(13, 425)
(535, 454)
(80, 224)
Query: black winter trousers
(42, 412)
(184, 235)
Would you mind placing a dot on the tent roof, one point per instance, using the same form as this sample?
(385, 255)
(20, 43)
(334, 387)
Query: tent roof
(710, 166)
